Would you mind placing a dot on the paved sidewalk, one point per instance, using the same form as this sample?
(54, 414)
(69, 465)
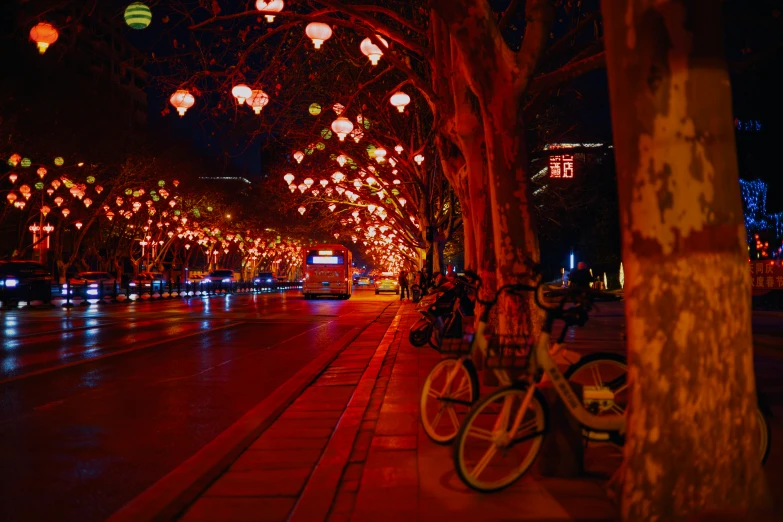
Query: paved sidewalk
(351, 448)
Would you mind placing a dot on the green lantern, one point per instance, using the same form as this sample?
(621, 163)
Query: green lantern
(39, 186)
(128, 192)
(136, 193)
(209, 209)
(196, 213)
(371, 150)
(326, 134)
(366, 123)
(156, 198)
(152, 192)
(91, 179)
(59, 161)
(161, 183)
(395, 192)
(177, 212)
(26, 162)
(68, 183)
(315, 109)
(138, 16)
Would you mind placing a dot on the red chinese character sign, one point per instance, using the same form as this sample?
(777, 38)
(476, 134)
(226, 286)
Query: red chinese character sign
(765, 276)
(561, 166)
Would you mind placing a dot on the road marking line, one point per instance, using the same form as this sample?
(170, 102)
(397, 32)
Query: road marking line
(119, 352)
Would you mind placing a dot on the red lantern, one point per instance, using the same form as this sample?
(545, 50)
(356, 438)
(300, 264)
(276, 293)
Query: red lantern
(258, 99)
(43, 34)
(182, 100)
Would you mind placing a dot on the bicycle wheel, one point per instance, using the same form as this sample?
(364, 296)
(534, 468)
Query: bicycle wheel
(445, 403)
(487, 456)
(603, 377)
(764, 434)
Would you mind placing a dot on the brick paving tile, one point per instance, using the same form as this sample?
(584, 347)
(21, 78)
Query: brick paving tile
(394, 442)
(352, 472)
(290, 414)
(344, 502)
(339, 517)
(388, 505)
(269, 443)
(368, 424)
(390, 469)
(239, 509)
(349, 485)
(283, 432)
(304, 424)
(371, 415)
(259, 460)
(361, 446)
(317, 406)
(269, 483)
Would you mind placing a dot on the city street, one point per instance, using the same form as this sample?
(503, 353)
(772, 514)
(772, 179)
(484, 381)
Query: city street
(99, 402)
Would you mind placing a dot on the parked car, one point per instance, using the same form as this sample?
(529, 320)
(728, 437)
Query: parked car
(196, 279)
(92, 284)
(221, 276)
(24, 280)
(148, 281)
(364, 281)
(265, 280)
(387, 283)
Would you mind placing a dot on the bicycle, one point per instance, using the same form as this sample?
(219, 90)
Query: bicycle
(514, 419)
(452, 385)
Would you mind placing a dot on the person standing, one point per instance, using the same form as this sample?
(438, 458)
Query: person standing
(403, 281)
(580, 278)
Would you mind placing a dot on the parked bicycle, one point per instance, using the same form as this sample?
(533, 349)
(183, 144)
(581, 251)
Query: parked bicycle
(502, 434)
(452, 386)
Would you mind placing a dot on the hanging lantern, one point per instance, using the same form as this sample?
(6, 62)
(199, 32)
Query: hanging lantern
(11, 197)
(314, 109)
(13, 177)
(292, 188)
(402, 201)
(176, 183)
(14, 160)
(258, 100)
(302, 187)
(98, 189)
(399, 99)
(26, 162)
(45, 210)
(24, 189)
(418, 159)
(308, 182)
(274, 6)
(302, 210)
(43, 34)
(399, 149)
(380, 154)
(241, 92)
(299, 156)
(78, 225)
(172, 203)
(372, 51)
(332, 207)
(289, 178)
(87, 202)
(357, 183)
(315, 192)
(182, 100)
(41, 172)
(324, 182)
(59, 161)
(50, 191)
(318, 32)
(56, 184)
(66, 212)
(110, 215)
(58, 201)
(138, 16)
(341, 159)
(338, 177)
(336, 235)
(371, 208)
(342, 126)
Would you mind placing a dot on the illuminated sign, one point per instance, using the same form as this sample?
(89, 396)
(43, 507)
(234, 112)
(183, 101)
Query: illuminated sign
(561, 166)
(765, 276)
(325, 252)
(325, 260)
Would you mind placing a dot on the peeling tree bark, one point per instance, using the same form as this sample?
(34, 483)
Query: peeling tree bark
(690, 441)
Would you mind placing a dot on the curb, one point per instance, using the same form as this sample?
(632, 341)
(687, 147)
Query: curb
(316, 499)
(171, 495)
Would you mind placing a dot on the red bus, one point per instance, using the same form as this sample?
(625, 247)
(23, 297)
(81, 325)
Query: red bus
(327, 271)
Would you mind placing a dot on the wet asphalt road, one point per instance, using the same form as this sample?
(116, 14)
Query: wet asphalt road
(98, 403)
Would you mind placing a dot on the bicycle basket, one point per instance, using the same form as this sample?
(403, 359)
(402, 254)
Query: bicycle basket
(457, 338)
(508, 351)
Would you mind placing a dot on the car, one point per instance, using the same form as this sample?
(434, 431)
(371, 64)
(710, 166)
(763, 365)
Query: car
(148, 281)
(195, 279)
(92, 284)
(24, 280)
(282, 279)
(364, 281)
(387, 284)
(265, 280)
(221, 276)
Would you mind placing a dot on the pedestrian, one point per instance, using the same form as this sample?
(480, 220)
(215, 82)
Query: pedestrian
(580, 278)
(403, 281)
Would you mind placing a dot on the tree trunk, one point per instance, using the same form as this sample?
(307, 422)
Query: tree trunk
(690, 439)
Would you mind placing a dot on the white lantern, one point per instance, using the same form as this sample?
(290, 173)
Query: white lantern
(324, 182)
(402, 201)
(302, 210)
(241, 92)
(299, 156)
(332, 207)
(338, 177)
(342, 126)
(399, 99)
(372, 51)
(289, 178)
(309, 182)
(274, 6)
(380, 154)
(182, 100)
(302, 187)
(292, 188)
(399, 149)
(418, 159)
(318, 32)
(341, 159)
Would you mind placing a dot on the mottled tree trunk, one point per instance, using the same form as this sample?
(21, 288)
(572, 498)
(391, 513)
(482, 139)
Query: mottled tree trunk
(690, 443)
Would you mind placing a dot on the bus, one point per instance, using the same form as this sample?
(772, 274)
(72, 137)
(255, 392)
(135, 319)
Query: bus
(327, 271)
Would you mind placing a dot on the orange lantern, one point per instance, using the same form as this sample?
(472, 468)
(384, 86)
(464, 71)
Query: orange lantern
(182, 100)
(41, 172)
(66, 212)
(258, 99)
(11, 197)
(44, 34)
